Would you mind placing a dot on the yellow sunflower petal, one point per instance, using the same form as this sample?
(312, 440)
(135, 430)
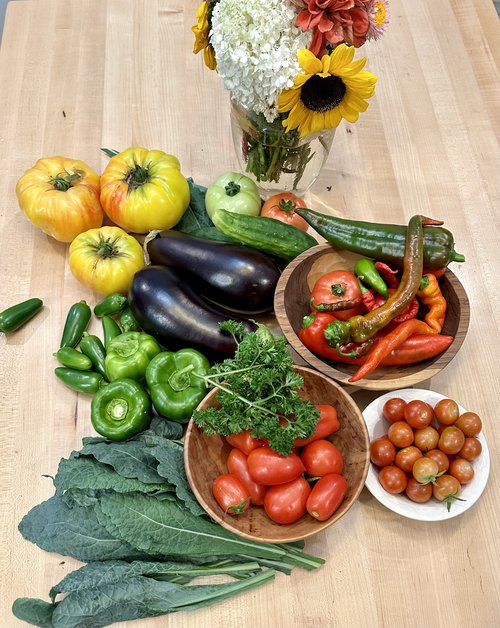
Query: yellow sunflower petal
(340, 57)
(351, 69)
(354, 101)
(332, 119)
(287, 99)
(296, 115)
(308, 61)
(325, 62)
(300, 79)
(346, 112)
(209, 58)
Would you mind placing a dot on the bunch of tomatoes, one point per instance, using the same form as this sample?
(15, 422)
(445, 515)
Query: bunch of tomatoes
(427, 451)
(309, 480)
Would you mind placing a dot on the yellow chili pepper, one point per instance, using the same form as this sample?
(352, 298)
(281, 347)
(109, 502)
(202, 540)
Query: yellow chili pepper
(430, 295)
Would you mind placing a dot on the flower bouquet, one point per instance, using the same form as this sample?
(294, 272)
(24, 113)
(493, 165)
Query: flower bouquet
(289, 66)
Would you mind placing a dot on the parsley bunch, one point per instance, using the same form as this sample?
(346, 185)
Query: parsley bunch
(258, 391)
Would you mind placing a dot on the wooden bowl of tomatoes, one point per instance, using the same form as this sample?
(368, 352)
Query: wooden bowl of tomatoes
(292, 305)
(207, 458)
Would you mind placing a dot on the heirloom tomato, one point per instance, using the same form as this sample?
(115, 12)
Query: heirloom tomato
(337, 288)
(233, 192)
(143, 189)
(61, 197)
(282, 207)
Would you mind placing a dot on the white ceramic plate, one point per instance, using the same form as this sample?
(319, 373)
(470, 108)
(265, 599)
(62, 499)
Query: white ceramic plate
(431, 510)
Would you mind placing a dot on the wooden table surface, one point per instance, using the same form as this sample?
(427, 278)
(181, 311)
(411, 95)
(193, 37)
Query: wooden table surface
(75, 76)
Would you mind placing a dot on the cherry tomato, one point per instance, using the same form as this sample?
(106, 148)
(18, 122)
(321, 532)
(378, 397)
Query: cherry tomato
(282, 207)
(382, 452)
(443, 462)
(328, 423)
(269, 468)
(451, 440)
(393, 479)
(406, 458)
(400, 434)
(461, 469)
(419, 493)
(471, 448)
(326, 496)
(286, 503)
(394, 409)
(470, 423)
(237, 465)
(244, 441)
(426, 438)
(322, 457)
(418, 414)
(446, 411)
(446, 489)
(231, 494)
(425, 470)
(334, 287)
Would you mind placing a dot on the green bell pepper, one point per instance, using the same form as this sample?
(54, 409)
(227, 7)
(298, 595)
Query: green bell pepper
(175, 382)
(233, 192)
(129, 354)
(120, 410)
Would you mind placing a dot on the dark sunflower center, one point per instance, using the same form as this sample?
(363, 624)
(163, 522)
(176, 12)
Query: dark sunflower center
(323, 93)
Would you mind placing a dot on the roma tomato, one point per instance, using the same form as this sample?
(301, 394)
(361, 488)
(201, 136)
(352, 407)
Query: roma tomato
(470, 423)
(451, 440)
(244, 441)
(322, 457)
(282, 207)
(393, 479)
(443, 462)
(143, 189)
(406, 458)
(106, 259)
(269, 468)
(446, 489)
(231, 494)
(333, 288)
(446, 411)
(400, 434)
(286, 503)
(237, 465)
(382, 452)
(394, 409)
(419, 493)
(328, 423)
(61, 197)
(418, 414)
(471, 448)
(326, 496)
(461, 469)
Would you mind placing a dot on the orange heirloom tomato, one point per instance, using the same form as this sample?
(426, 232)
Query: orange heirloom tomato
(282, 207)
(60, 196)
(106, 259)
(142, 190)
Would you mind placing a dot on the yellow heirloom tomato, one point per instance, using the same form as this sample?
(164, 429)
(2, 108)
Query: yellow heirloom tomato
(142, 190)
(105, 259)
(61, 197)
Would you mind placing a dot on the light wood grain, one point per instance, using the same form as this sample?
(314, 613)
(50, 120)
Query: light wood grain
(123, 74)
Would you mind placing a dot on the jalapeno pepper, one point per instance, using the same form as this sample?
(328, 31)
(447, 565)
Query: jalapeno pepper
(92, 347)
(77, 320)
(112, 304)
(73, 359)
(129, 354)
(17, 315)
(175, 382)
(87, 382)
(120, 410)
(128, 321)
(366, 270)
(110, 329)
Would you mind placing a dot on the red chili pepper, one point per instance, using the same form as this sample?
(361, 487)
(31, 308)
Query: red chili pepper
(417, 348)
(312, 336)
(410, 312)
(388, 275)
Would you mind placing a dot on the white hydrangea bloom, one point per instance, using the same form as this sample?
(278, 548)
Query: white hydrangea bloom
(256, 44)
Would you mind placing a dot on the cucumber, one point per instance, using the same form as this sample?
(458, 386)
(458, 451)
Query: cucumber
(264, 234)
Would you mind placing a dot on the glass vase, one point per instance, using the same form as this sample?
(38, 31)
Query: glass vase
(275, 159)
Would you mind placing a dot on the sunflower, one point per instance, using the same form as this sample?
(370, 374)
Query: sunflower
(201, 30)
(326, 91)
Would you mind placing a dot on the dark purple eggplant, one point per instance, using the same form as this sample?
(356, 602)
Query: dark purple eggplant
(166, 307)
(233, 276)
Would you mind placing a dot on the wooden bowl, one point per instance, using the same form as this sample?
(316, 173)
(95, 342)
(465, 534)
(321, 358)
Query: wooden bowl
(205, 458)
(291, 304)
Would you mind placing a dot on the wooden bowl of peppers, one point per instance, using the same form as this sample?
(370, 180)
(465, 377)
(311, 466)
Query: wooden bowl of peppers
(375, 316)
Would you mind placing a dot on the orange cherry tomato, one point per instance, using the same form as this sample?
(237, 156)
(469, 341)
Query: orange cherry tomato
(282, 207)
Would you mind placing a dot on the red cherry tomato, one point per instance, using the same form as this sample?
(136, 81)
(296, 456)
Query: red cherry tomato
(461, 469)
(446, 489)
(426, 438)
(471, 448)
(470, 423)
(443, 462)
(231, 494)
(244, 441)
(286, 503)
(451, 440)
(418, 414)
(237, 465)
(425, 470)
(446, 411)
(393, 479)
(326, 496)
(269, 468)
(382, 452)
(334, 287)
(400, 434)
(419, 493)
(328, 423)
(282, 207)
(394, 409)
(322, 457)
(406, 458)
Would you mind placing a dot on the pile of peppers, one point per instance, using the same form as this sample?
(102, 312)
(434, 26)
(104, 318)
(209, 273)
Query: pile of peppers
(382, 327)
(128, 374)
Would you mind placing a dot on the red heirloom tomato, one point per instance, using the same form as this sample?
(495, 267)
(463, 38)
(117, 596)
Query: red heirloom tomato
(394, 409)
(286, 503)
(244, 441)
(326, 496)
(418, 414)
(231, 494)
(322, 457)
(451, 440)
(446, 411)
(335, 287)
(282, 207)
(328, 423)
(470, 423)
(237, 465)
(419, 493)
(471, 448)
(382, 451)
(393, 479)
(269, 468)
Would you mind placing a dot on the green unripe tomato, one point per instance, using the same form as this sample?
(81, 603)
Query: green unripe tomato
(233, 192)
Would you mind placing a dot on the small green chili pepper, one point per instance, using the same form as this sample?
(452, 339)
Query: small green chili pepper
(366, 271)
(112, 304)
(93, 348)
(120, 410)
(87, 382)
(129, 354)
(77, 320)
(110, 329)
(128, 321)
(175, 382)
(73, 359)
(17, 315)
